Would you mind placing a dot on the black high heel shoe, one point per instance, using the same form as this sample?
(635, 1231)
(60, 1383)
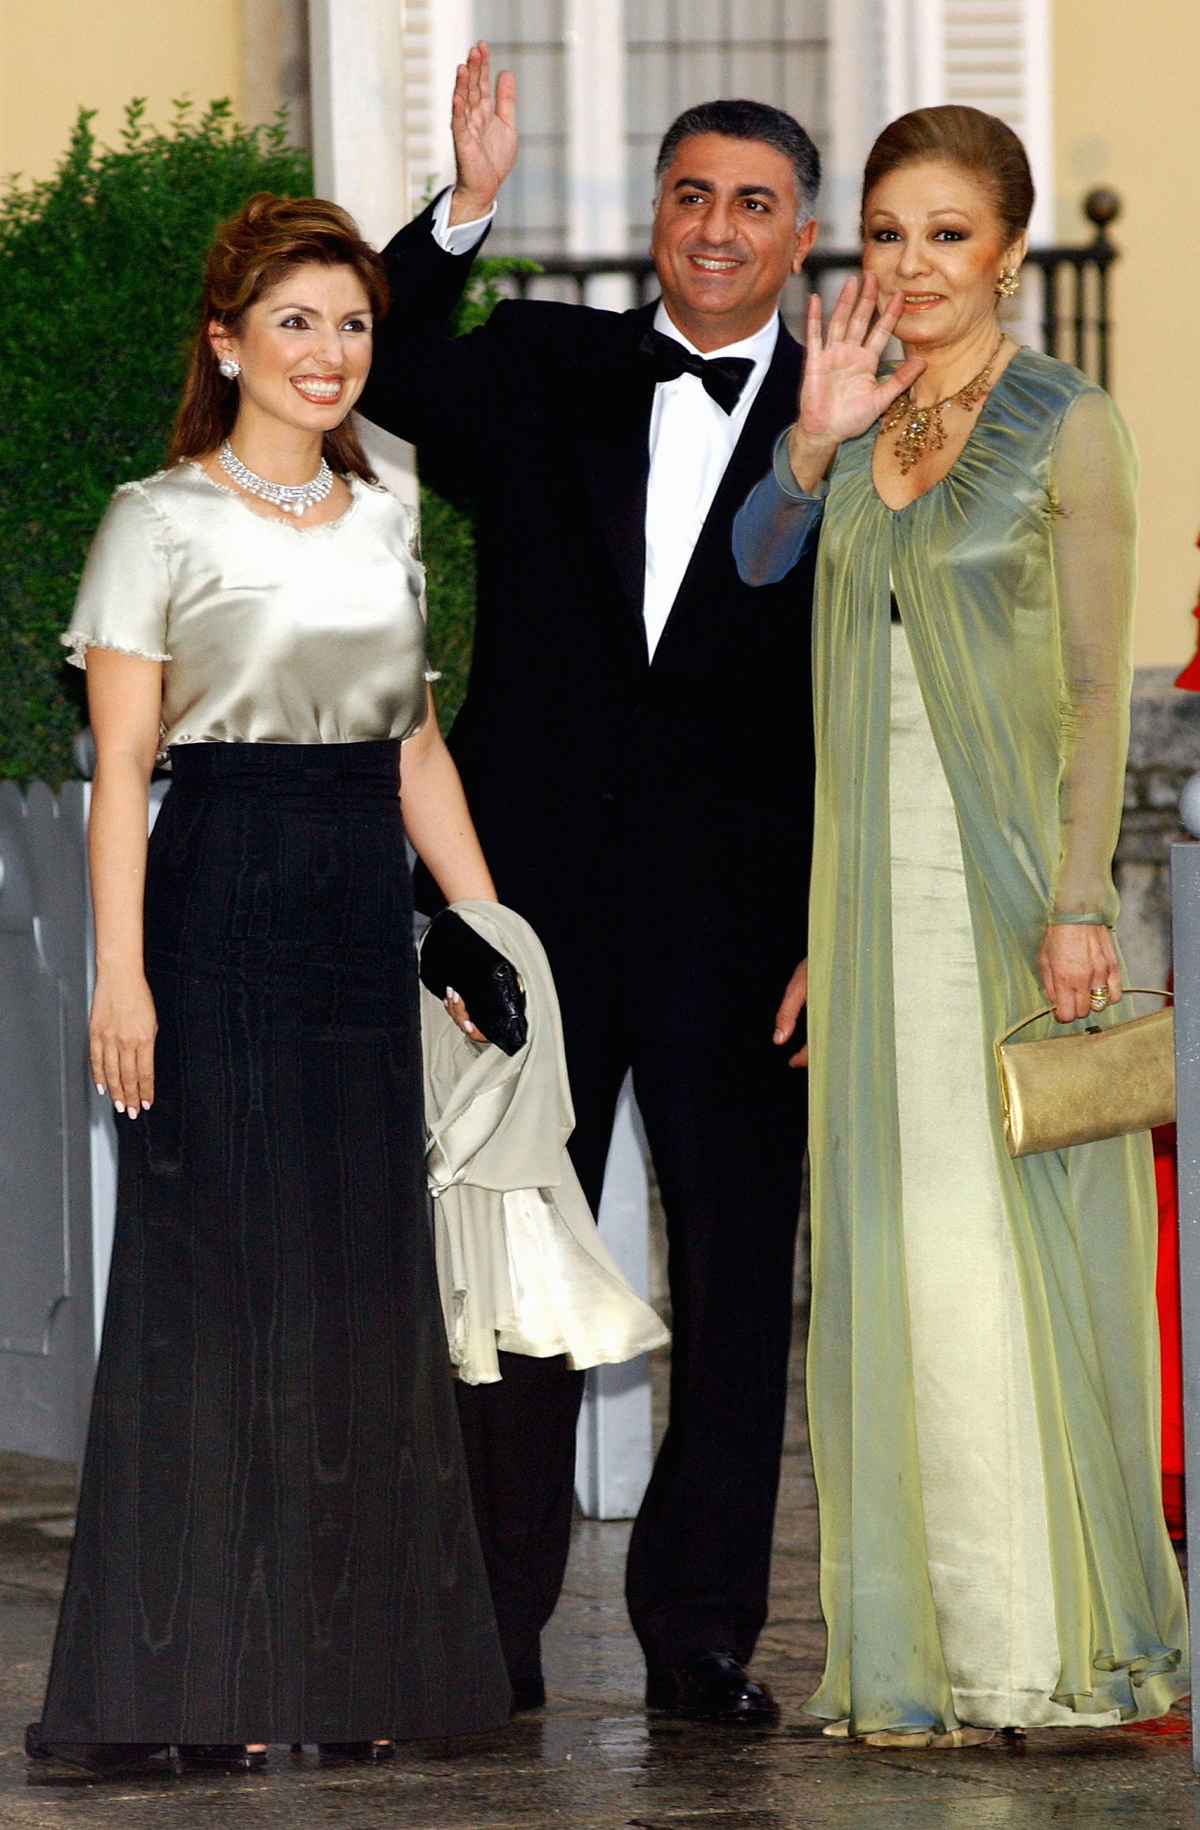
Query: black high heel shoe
(354, 1753)
(114, 1759)
(221, 1757)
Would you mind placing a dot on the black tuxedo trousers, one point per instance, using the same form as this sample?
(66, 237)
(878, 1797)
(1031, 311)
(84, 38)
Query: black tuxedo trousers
(653, 821)
(725, 1122)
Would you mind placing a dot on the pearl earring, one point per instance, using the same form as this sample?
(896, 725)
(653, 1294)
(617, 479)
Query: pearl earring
(229, 368)
(1009, 284)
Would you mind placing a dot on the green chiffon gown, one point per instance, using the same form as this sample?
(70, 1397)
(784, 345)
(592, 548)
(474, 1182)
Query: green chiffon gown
(983, 1356)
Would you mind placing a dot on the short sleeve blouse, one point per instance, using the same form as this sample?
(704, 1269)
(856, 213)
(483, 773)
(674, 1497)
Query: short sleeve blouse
(268, 633)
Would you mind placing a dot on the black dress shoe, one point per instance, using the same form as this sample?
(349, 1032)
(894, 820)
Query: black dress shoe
(115, 1759)
(220, 1757)
(354, 1753)
(710, 1687)
(527, 1693)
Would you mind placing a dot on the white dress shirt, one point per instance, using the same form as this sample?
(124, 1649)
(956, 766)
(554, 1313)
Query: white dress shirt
(463, 236)
(691, 442)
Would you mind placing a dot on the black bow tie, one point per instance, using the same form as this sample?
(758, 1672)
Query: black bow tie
(721, 377)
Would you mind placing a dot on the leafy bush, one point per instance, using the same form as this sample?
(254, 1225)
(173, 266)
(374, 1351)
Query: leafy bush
(100, 272)
(99, 284)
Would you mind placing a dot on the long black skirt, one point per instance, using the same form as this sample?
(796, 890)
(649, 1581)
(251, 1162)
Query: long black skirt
(275, 1539)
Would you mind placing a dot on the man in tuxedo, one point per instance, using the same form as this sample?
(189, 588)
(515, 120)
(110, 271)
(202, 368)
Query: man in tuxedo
(636, 748)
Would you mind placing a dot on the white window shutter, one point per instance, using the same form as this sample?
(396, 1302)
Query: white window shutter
(437, 37)
(996, 56)
(421, 154)
(888, 56)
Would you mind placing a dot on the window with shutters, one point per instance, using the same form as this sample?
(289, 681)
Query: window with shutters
(989, 54)
(680, 52)
(420, 101)
(985, 57)
(842, 67)
(527, 37)
(997, 57)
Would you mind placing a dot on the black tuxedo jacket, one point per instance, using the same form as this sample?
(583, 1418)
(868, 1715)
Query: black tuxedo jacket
(608, 791)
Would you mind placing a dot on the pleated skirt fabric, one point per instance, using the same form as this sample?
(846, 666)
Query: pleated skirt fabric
(275, 1539)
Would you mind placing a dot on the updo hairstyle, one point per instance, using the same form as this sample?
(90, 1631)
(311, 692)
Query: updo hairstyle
(252, 252)
(979, 143)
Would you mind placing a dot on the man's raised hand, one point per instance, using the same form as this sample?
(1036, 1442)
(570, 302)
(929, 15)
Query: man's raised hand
(485, 134)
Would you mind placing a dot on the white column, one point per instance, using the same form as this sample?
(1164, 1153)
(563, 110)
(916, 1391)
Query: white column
(859, 55)
(451, 37)
(358, 111)
(597, 220)
(1039, 116)
(928, 72)
(613, 1448)
(896, 38)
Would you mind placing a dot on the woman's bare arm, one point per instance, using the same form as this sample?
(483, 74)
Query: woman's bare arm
(436, 817)
(438, 821)
(125, 705)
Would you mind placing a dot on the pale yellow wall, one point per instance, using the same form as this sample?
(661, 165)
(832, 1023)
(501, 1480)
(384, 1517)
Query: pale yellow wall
(1127, 107)
(58, 54)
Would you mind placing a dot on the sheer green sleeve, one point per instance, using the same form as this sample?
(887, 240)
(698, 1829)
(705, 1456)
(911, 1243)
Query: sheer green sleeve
(1093, 532)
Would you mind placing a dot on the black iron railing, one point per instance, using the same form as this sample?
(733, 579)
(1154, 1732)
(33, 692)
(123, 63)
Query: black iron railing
(1071, 317)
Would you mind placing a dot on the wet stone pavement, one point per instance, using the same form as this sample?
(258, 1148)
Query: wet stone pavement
(592, 1757)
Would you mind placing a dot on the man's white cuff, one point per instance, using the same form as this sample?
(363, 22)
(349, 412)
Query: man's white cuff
(463, 236)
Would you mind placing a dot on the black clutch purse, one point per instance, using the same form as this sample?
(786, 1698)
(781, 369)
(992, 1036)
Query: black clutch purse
(453, 954)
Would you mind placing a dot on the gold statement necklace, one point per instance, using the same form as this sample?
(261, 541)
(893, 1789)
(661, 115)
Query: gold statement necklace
(924, 429)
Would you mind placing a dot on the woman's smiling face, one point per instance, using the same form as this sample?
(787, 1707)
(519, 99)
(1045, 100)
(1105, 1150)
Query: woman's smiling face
(304, 347)
(931, 232)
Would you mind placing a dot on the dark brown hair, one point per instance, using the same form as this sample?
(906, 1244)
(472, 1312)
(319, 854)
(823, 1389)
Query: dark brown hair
(980, 143)
(741, 120)
(251, 253)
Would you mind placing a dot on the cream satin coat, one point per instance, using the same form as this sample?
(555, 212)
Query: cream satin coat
(520, 1263)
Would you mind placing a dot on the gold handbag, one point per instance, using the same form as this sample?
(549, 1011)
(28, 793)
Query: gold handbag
(1075, 1089)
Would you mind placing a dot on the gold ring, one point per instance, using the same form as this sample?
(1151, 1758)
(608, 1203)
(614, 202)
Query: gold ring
(1099, 997)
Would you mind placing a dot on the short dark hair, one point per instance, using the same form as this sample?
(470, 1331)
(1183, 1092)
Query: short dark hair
(742, 120)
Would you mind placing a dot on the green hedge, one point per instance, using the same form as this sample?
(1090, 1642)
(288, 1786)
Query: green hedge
(99, 284)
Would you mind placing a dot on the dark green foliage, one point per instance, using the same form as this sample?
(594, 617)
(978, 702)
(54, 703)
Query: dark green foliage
(448, 549)
(100, 271)
(99, 284)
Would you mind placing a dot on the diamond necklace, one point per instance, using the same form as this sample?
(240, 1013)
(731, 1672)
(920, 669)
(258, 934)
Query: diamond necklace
(292, 498)
(923, 427)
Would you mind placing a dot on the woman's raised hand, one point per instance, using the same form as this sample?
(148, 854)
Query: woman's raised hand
(485, 134)
(841, 393)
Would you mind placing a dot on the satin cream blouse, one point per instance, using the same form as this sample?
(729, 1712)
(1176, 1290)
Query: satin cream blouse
(267, 633)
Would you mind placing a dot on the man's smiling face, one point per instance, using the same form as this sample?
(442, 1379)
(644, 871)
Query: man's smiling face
(726, 237)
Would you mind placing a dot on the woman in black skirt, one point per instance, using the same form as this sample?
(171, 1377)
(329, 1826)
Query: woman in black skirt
(275, 1540)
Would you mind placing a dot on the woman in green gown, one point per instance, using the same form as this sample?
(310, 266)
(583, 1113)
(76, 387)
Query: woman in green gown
(983, 1358)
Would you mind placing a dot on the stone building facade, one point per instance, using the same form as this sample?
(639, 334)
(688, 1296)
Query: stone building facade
(1164, 750)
